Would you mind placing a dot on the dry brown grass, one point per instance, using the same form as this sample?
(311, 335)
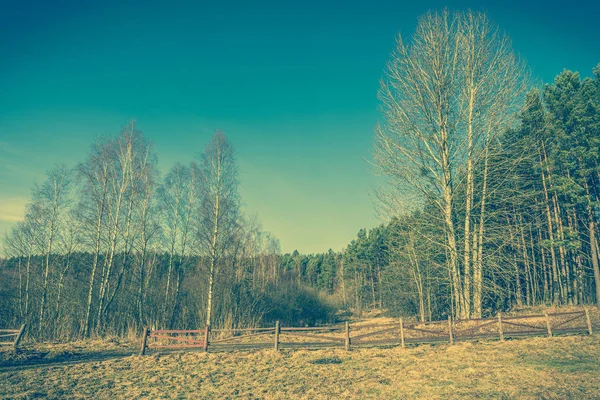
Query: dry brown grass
(46, 352)
(552, 368)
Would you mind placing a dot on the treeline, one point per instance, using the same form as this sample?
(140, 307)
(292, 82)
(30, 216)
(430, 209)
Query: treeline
(109, 246)
(493, 190)
(537, 243)
(502, 184)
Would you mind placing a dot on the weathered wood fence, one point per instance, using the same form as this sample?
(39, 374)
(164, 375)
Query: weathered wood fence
(11, 337)
(346, 335)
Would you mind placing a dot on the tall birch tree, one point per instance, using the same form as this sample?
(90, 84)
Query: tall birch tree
(219, 209)
(445, 96)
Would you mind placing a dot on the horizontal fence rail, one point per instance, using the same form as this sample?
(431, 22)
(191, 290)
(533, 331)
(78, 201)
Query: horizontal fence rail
(12, 337)
(356, 335)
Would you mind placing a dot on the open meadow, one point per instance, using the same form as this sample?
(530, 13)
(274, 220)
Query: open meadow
(550, 368)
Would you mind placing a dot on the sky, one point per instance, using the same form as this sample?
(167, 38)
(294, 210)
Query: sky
(292, 83)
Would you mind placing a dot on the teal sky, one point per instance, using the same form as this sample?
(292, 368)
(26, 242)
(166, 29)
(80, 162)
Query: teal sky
(292, 83)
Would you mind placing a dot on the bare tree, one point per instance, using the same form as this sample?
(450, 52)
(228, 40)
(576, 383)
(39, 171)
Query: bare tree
(141, 185)
(113, 177)
(444, 98)
(70, 242)
(49, 203)
(219, 208)
(179, 203)
(94, 177)
(149, 230)
(120, 161)
(20, 243)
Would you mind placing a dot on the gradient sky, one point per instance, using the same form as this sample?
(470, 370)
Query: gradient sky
(292, 83)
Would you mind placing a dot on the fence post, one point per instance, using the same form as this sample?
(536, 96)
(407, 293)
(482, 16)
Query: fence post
(450, 333)
(500, 331)
(276, 335)
(402, 332)
(347, 344)
(548, 323)
(19, 337)
(206, 332)
(588, 320)
(145, 334)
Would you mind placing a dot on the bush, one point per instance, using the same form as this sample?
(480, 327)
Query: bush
(295, 305)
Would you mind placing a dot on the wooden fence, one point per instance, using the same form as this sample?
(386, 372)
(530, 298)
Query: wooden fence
(346, 335)
(11, 337)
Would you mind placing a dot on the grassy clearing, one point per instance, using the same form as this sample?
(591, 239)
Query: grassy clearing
(551, 368)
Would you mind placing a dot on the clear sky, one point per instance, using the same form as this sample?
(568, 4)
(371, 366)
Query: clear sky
(292, 83)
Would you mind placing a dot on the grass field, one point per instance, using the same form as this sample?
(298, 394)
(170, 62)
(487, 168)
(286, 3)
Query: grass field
(547, 368)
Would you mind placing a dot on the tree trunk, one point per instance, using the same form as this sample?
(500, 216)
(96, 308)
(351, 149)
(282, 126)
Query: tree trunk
(52, 229)
(27, 281)
(555, 275)
(98, 242)
(478, 266)
(213, 261)
(594, 254)
(450, 232)
(467, 270)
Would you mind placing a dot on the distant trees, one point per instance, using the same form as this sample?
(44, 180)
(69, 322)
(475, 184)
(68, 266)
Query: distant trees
(42, 236)
(47, 210)
(119, 247)
(19, 244)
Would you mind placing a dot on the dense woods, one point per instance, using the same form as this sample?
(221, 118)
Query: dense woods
(491, 201)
